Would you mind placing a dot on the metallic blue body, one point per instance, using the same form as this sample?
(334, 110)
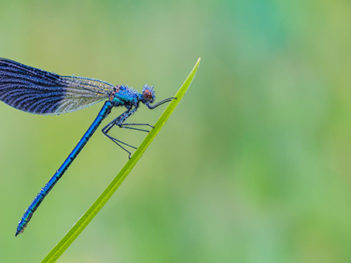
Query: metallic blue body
(40, 92)
(106, 109)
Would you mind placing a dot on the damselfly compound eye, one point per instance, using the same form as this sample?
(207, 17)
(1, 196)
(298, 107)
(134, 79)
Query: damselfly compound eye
(148, 93)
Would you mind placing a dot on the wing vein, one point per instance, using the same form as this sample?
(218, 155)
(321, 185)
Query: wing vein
(37, 91)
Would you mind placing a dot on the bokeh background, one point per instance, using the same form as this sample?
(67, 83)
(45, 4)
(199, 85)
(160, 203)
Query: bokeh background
(253, 166)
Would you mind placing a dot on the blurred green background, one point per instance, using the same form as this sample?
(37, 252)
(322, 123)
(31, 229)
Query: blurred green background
(253, 166)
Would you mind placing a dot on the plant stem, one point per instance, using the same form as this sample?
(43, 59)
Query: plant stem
(68, 239)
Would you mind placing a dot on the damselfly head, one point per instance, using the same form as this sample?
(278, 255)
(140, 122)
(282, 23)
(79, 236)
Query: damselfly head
(148, 94)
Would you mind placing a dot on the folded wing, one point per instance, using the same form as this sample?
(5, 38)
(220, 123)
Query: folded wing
(37, 91)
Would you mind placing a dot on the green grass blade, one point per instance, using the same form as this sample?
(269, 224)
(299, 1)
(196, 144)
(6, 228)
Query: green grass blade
(67, 240)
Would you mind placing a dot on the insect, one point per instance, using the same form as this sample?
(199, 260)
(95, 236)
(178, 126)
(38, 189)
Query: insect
(40, 92)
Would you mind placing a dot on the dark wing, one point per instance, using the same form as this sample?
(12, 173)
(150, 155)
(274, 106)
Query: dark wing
(37, 91)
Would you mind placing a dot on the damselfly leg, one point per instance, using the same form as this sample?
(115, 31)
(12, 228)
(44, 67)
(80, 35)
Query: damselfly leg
(126, 126)
(105, 131)
(109, 126)
(119, 121)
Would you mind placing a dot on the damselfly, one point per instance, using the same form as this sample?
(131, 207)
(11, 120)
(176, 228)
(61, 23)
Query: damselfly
(40, 92)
